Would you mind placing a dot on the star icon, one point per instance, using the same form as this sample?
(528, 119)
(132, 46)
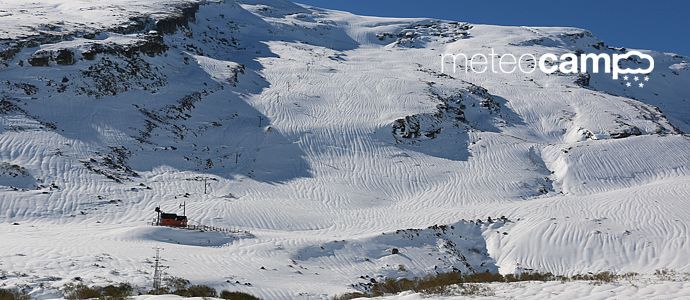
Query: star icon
(646, 78)
(625, 77)
(637, 78)
(627, 84)
(641, 85)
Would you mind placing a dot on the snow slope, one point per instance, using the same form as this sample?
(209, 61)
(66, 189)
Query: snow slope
(332, 138)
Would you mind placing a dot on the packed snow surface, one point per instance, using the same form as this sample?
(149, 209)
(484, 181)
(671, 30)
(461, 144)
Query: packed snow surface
(330, 147)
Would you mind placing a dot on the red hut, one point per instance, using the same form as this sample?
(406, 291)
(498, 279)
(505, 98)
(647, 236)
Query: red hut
(171, 220)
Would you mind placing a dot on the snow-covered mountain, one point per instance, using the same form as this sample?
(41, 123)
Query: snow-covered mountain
(332, 139)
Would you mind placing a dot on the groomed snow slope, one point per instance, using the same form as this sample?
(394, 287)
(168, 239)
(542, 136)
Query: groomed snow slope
(327, 136)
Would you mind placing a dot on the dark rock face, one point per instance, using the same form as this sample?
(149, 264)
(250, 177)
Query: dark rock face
(487, 100)
(171, 24)
(152, 45)
(39, 60)
(451, 109)
(29, 89)
(407, 127)
(90, 54)
(65, 57)
(61, 57)
(112, 165)
(9, 48)
(418, 34)
(118, 74)
(186, 13)
(583, 80)
(135, 24)
(631, 131)
(9, 53)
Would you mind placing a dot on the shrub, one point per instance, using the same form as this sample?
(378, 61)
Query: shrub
(471, 283)
(605, 277)
(629, 275)
(532, 276)
(116, 292)
(436, 283)
(197, 291)
(350, 296)
(392, 286)
(176, 283)
(160, 291)
(476, 290)
(599, 277)
(80, 291)
(483, 277)
(7, 294)
(110, 292)
(433, 284)
(238, 296)
(665, 274)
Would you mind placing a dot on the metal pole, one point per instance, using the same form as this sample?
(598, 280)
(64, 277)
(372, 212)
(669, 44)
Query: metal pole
(157, 274)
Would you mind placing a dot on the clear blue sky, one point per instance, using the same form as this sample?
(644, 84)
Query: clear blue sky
(662, 25)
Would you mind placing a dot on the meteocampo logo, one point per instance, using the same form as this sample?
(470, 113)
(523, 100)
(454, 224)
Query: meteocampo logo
(549, 63)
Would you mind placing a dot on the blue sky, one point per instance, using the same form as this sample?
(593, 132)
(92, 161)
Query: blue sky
(662, 25)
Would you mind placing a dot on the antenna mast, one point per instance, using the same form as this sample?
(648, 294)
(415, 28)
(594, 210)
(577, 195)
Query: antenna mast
(158, 270)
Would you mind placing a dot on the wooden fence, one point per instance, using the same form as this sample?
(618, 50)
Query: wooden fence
(204, 228)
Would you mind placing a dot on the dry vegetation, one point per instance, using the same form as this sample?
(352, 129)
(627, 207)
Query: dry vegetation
(236, 296)
(110, 292)
(11, 294)
(173, 285)
(470, 284)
